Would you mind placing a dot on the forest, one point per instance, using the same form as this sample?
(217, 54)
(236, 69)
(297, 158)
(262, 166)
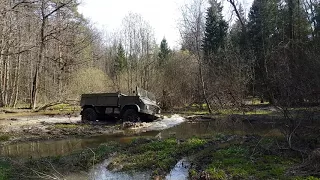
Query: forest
(51, 53)
(239, 95)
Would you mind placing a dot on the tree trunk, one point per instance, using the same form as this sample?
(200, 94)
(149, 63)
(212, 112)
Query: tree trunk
(203, 88)
(17, 80)
(35, 82)
(60, 74)
(34, 90)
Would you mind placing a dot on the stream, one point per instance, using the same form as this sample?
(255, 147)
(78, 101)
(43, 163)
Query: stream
(100, 172)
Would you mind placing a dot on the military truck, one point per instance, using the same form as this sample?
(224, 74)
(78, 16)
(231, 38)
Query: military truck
(141, 106)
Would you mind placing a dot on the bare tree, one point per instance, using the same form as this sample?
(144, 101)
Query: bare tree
(192, 33)
(46, 10)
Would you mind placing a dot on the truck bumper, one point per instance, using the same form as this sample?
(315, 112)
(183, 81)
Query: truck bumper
(150, 114)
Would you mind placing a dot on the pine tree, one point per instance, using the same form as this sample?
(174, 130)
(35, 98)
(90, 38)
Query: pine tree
(215, 31)
(164, 52)
(263, 31)
(238, 34)
(120, 60)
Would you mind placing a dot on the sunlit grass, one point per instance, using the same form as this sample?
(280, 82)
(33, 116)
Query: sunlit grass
(4, 137)
(60, 109)
(237, 162)
(228, 112)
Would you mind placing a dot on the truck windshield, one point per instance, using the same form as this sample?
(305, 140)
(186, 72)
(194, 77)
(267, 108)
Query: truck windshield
(145, 94)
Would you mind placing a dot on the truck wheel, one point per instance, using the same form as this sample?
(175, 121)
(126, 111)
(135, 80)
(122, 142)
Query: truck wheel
(88, 115)
(131, 115)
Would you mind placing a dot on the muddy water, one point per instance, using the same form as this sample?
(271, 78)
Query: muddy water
(100, 172)
(175, 126)
(180, 171)
(220, 126)
(36, 149)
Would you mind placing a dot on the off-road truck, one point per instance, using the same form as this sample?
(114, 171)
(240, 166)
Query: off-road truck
(140, 107)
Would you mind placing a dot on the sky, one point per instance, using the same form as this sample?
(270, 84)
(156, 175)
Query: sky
(162, 15)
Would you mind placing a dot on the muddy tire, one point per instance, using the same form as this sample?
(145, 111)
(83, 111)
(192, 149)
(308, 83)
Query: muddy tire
(131, 115)
(88, 115)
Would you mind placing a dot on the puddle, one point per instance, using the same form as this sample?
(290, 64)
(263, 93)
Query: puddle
(175, 126)
(180, 171)
(211, 127)
(37, 149)
(100, 172)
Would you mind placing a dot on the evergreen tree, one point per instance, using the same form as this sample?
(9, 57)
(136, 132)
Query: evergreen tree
(164, 52)
(272, 26)
(263, 31)
(237, 33)
(120, 60)
(215, 30)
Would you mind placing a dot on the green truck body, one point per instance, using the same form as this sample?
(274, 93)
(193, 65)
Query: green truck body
(140, 107)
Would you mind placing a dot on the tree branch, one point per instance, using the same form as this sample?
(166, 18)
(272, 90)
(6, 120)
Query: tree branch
(55, 10)
(233, 4)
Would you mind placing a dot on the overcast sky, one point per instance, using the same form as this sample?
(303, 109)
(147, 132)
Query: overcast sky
(162, 15)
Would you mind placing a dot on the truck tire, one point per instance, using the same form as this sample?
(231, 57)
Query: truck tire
(131, 115)
(88, 115)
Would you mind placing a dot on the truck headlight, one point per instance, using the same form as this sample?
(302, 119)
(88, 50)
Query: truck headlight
(147, 107)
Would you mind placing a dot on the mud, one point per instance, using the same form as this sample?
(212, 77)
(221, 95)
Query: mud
(50, 127)
(32, 128)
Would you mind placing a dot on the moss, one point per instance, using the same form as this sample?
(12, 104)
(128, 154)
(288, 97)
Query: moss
(216, 174)
(307, 178)
(237, 162)
(4, 137)
(192, 172)
(5, 169)
(238, 172)
(156, 155)
(192, 144)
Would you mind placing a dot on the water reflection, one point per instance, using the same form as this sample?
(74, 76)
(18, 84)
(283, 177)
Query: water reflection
(180, 171)
(184, 130)
(211, 127)
(100, 172)
(37, 149)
